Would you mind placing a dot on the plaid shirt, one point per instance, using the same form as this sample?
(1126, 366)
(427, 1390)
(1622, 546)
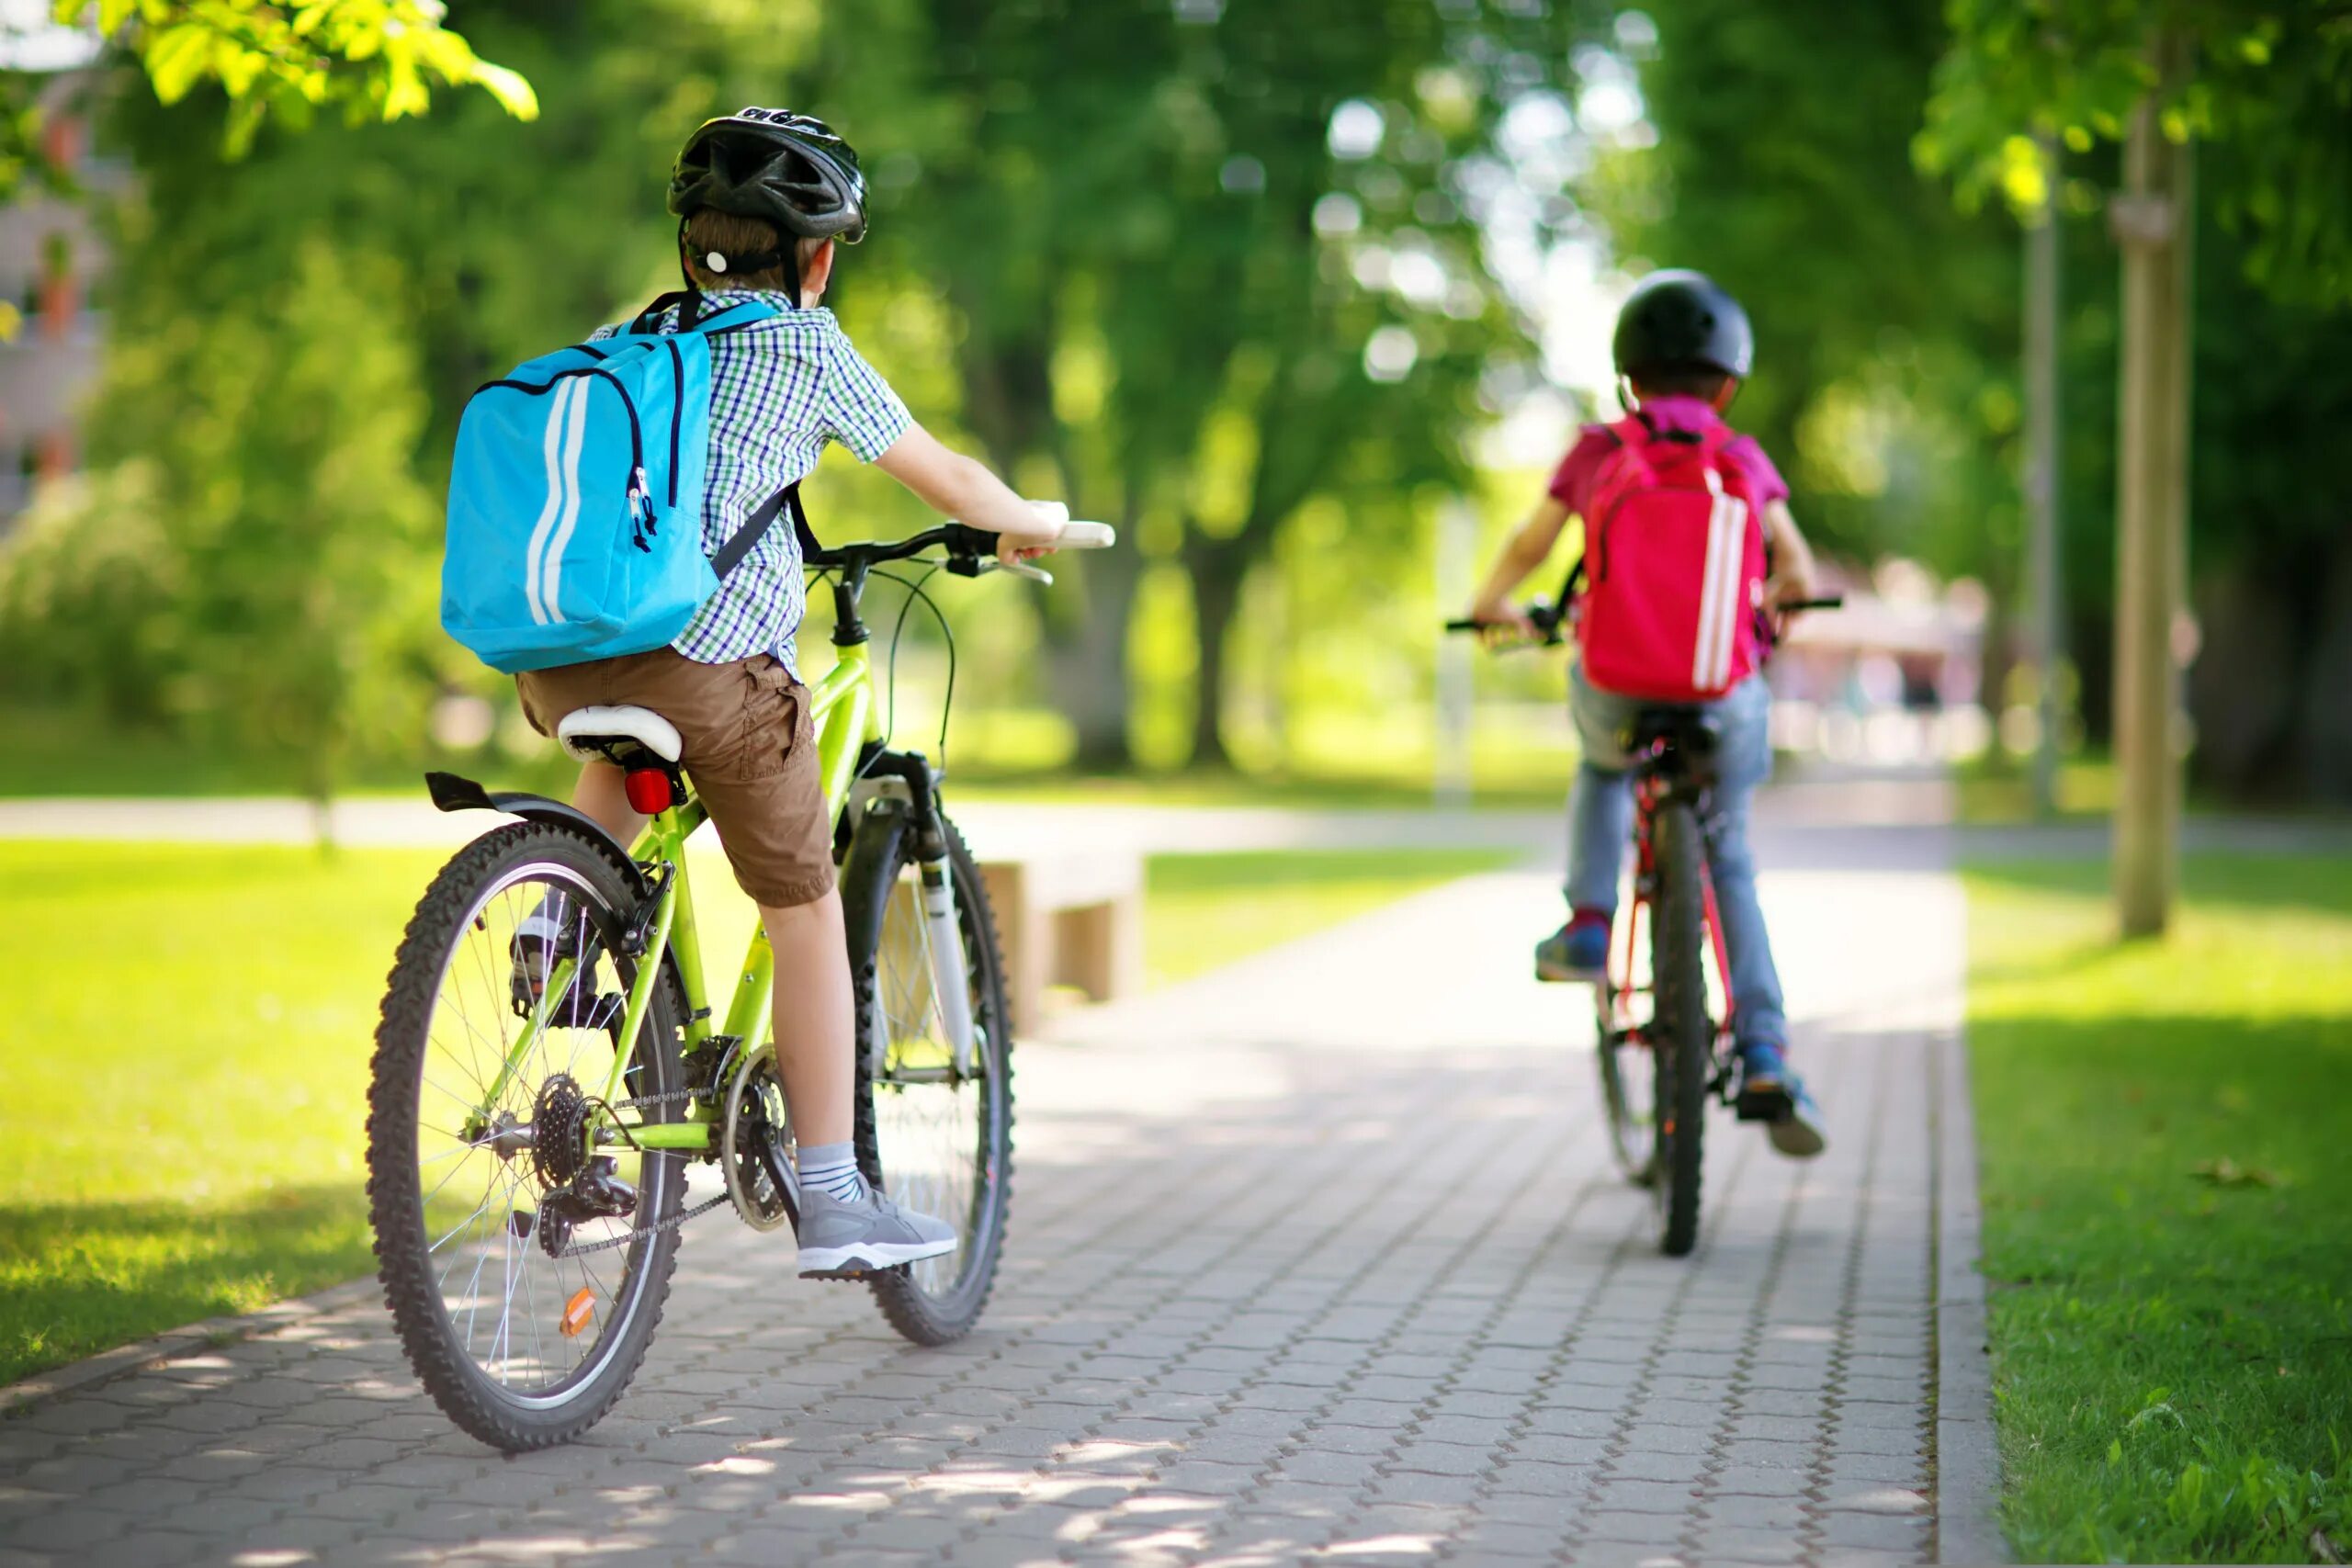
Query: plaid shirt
(779, 391)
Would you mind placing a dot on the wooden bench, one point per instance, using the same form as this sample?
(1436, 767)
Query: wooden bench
(1067, 918)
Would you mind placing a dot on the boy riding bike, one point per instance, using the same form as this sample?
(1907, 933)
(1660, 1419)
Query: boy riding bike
(1682, 348)
(761, 197)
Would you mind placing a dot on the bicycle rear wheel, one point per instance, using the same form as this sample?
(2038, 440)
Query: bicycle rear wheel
(1628, 1090)
(1680, 1032)
(525, 1308)
(936, 1137)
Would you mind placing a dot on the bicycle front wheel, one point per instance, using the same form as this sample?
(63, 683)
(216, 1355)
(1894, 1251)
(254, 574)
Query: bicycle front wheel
(511, 1238)
(934, 1133)
(1679, 1031)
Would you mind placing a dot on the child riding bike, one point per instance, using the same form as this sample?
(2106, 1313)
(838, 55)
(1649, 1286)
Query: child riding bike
(762, 197)
(1682, 348)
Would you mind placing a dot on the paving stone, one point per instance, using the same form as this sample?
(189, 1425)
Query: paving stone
(1642, 1528)
(1645, 1496)
(1758, 1481)
(1876, 1532)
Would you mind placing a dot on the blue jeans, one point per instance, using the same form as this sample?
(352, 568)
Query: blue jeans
(1600, 826)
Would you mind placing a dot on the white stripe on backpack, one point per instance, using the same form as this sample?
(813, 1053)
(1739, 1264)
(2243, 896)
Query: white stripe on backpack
(1719, 591)
(574, 438)
(552, 448)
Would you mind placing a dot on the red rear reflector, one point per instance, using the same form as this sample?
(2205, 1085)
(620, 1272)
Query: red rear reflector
(648, 790)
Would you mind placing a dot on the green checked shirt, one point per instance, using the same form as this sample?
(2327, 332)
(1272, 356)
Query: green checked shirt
(779, 391)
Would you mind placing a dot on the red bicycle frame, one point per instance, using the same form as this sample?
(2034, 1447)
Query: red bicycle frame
(1647, 790)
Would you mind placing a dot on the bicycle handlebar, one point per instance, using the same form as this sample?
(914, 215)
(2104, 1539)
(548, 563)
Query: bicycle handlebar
(967, 548)
(1547, 617)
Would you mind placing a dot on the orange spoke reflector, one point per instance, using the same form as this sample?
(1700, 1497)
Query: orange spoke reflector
(577, 1312)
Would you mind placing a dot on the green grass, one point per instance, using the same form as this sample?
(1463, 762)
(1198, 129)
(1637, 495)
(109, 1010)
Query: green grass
(2167, 1181)
(1996, 789)
(183, 1057)
(1205, 910)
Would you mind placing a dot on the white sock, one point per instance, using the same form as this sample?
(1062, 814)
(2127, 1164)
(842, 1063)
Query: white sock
(831, 1168)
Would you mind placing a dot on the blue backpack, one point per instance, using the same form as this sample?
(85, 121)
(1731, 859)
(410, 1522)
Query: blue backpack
(576, 497)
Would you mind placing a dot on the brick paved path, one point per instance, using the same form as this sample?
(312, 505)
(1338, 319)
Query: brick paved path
(1317, 1258)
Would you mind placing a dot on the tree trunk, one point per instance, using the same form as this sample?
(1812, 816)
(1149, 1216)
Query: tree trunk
(2152, 220)
(2041, 487)
(1087, 663)
(1218, 567)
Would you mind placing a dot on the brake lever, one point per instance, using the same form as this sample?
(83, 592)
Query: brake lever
(1022, 568)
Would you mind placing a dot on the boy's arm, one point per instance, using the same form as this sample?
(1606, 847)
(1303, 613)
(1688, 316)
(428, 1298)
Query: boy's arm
(963, 488)
(1530, 546)
(1794, 574)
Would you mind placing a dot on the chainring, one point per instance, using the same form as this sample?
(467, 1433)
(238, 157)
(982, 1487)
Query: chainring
(559, 1132)
(753, 1140)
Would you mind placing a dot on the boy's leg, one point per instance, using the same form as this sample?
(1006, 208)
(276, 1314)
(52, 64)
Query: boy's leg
(815, 1019)
(1600, 826)
(1759, 1018)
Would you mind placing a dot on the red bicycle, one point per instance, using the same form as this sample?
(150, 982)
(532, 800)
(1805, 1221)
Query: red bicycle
(1659, 1067)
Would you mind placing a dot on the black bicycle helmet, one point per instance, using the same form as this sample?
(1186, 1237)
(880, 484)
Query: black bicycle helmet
(789, 169)
(1679, 320)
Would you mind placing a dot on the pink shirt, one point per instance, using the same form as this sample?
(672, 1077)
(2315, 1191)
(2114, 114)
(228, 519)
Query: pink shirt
(1572, 482)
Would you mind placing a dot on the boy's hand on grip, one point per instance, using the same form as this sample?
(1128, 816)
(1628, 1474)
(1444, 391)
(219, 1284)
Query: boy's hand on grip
(1013, 547)
(1786, 590)
(1504, 623)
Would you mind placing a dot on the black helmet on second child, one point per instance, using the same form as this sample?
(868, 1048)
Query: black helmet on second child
(792, 171)
(1679, 321)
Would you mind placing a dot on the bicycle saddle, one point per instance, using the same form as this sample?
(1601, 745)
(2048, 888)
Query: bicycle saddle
(1692, 733)
(619, 735)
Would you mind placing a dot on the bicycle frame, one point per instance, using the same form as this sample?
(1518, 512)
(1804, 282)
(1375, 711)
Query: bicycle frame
(1648, 791)
(846, 720)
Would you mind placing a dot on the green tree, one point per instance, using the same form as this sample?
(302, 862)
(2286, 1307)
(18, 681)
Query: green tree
(252, 561)
(1167, 273)
(273, 62)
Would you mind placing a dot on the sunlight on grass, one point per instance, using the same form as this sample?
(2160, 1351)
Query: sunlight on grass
(2168, 1210)
(183, 1081)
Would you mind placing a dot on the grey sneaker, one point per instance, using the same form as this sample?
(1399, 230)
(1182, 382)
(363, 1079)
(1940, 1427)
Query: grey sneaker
(839, 1238)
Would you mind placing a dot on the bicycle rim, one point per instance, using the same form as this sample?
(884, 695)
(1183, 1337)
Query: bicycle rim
(1628, 1093)
(524, 1337)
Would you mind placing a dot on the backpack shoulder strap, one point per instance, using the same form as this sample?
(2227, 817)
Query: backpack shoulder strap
(730, 554)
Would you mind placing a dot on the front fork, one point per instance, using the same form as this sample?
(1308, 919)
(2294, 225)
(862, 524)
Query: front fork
(949, 980)
(909, 775)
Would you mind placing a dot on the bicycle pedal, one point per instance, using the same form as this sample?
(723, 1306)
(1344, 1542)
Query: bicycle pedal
(838, 1276)
(1768, 1102)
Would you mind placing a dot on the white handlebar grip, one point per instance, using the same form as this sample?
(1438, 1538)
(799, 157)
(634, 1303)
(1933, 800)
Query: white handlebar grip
(1050, 510)
(1087, 536)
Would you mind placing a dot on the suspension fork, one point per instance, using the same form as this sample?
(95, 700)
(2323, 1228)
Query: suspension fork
(950, 970)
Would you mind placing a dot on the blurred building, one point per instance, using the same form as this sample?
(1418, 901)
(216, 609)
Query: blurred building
(50, 267)
(1894, 676)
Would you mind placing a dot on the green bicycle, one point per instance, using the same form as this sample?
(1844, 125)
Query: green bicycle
(529, 1146)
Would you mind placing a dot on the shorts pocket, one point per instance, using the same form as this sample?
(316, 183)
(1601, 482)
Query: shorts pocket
(772, 719)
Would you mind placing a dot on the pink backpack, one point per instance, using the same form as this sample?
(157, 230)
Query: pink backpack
(1673, 568)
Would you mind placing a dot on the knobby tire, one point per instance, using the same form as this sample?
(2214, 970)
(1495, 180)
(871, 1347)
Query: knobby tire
(474, 1401)
(1681, 1031)
(928, 1316)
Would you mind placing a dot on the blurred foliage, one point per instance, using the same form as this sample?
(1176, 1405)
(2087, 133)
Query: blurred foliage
(1246, 281)
(2271, 84)
(250, 558)
(1888, 329)
(1207, 265)
(278, 63)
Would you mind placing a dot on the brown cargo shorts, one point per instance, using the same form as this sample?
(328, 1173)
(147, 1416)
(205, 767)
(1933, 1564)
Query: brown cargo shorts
(750, 746)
